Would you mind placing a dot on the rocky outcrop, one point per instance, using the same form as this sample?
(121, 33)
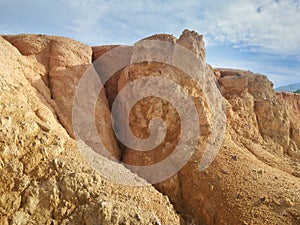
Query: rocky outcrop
(57, 65)
(259, 150)
(253, 180)
(260, 122)
(142, 113)
(44, 178)
(273, 114)
(292, 103)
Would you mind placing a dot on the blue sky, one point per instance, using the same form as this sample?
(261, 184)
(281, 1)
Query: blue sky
(260, 35)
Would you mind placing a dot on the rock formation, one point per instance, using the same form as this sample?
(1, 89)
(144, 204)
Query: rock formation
(45, 180)
(43, 176)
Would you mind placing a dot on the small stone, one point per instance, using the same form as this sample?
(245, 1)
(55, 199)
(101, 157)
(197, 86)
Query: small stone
(43, 114)
(58, 164)
(234, 157)
(260, 171)
(137, 217)
(225, 171)
(157, 222)
(262, 199)
(288, 202)
(43, 126)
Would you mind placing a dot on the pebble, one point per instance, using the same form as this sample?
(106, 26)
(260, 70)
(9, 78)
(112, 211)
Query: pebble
(262, 199)
(260, 171)
(42, 114)
(234, 157)
(58, 164)
(288, 202)
(225, 171)
(137, 217)
(43, 126)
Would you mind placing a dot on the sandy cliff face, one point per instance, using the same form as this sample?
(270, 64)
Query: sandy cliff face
(259, 152)
(272, 117)
(57, 65)
(260, 122)
(292, 102)
(44, 179)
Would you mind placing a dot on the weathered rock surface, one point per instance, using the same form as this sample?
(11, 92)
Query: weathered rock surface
(292, 102)
(147, 109)
(43, 176)
(255, 177)
(57, 65)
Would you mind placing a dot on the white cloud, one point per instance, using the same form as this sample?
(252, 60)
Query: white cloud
(125, 21)
(277, 70)
(260, 26)
(268, 26)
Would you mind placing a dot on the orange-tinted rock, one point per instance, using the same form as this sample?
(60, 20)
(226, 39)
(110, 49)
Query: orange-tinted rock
(100, 50)
(111, 85)
(43, 176)
(147, 109)
(253, 180)
(58, 64)
(255, 157)
(292, 103)
(151, 107)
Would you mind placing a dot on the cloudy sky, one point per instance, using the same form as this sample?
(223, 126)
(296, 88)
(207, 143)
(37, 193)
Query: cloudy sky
(259, 35)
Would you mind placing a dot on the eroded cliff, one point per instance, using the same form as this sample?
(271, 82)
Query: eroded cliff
(44, 179)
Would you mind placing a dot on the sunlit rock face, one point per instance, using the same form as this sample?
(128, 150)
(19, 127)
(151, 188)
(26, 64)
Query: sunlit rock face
(44, 177)
(254, 178)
